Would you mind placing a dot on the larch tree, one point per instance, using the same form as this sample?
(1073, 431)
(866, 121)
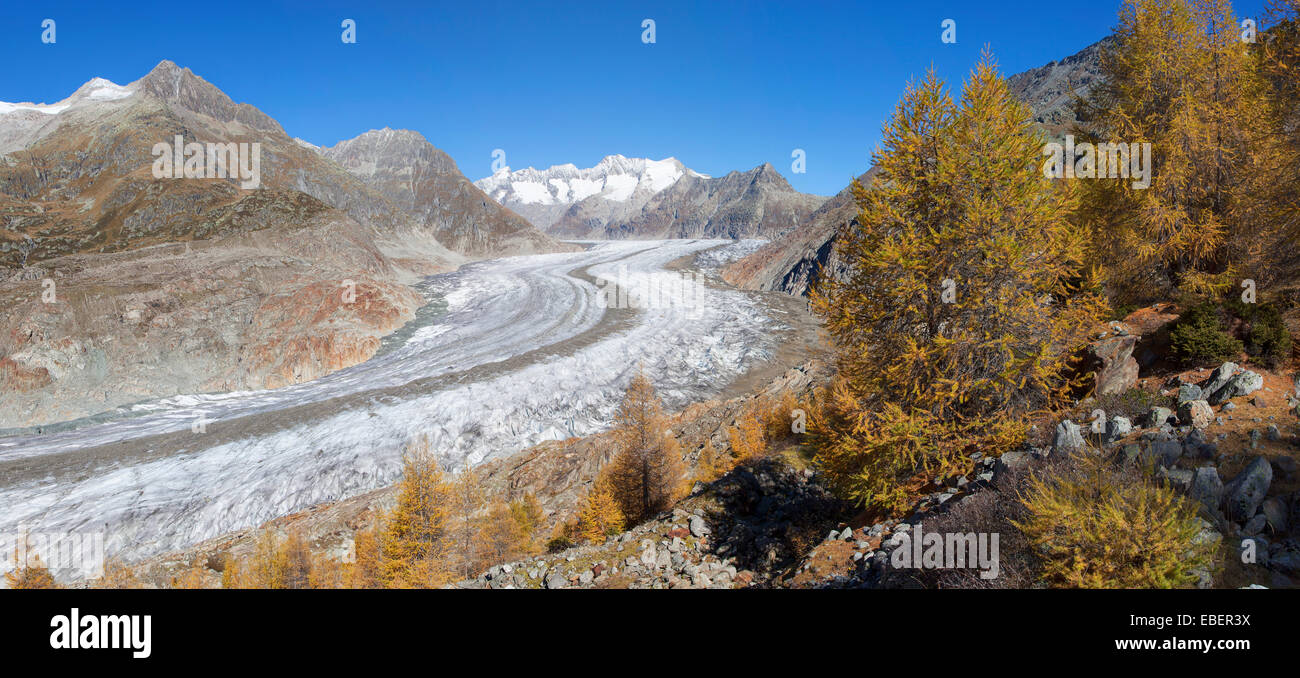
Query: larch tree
(749, 439)
(528, 513)
(467, 502)
(366, 571)
(599, 516)
(414, 538)
(28, 572)
(1177, 75)
(268, 567)
(296, 562)
(1278, 52)
(503, 537)
(646, 472)
(961, 306)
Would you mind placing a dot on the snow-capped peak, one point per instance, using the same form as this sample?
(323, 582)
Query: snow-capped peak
(98, 89)
(615, 177)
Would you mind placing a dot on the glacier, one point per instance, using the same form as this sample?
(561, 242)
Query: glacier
(518, 352)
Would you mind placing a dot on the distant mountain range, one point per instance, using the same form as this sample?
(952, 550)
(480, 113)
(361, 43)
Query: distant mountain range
(616, 186)
(639, 198)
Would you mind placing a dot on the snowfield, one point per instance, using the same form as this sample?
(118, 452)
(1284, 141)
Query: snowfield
(524, 352)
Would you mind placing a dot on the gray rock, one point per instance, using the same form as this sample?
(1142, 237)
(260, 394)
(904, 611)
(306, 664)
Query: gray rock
(1274, 433)
(698, 528)
(1178, 478)
(1217, 379)
(1068, 438)
(1188, 393)
(1196, 446)
(1275, 512)
(1015, 460)
(1244, 493)
(1206, 487)
(555, 581)
(1129, 454)
(1117, 428)
(1228, 407)
(1285, 556)
(1119, 370)
(1196, 413)
(1166, 452)
(1157, 417)
(1255, 525)
(1242, 383)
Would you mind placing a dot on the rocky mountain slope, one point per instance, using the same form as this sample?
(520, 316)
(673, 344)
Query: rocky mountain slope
(758, 203)
(182, 285)
(614, 189)
(792, 263)
(425, 182)
(1051, 90)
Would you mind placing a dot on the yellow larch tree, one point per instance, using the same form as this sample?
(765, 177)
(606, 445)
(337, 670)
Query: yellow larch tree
(646, 473)
(961, 307)
(414, 539)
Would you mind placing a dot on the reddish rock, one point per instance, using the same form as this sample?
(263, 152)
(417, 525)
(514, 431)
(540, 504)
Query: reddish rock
(1118, 371)
(19, 378)
(678, 532)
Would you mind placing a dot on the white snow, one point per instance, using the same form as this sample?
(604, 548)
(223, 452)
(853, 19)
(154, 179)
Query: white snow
(97, 89)
(619, 187)
(532, 192)
(661, 174)
(583, 188)
(49, 109)
(446, 381)
(614, 178)
(105, 90)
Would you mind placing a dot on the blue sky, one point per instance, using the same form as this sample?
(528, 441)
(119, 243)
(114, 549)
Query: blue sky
(727, 85)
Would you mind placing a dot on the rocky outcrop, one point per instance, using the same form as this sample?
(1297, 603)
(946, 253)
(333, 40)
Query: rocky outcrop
(795, 262)
(1118, 370)
(740, 531)
(261, 309)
